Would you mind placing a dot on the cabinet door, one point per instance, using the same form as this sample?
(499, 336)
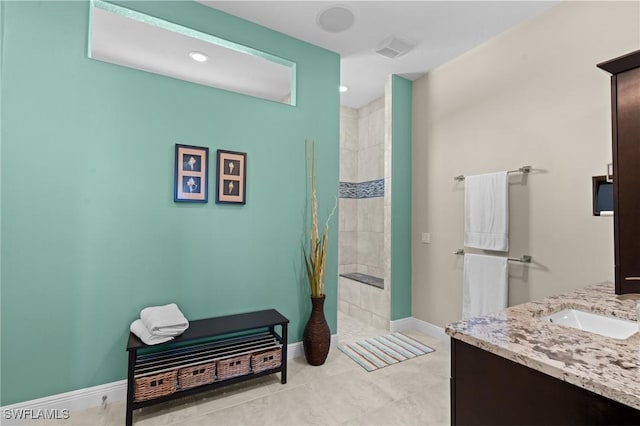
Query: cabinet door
(627, 181)
(490, 390)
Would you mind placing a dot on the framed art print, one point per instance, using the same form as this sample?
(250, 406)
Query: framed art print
(192, 174)
(231, 184)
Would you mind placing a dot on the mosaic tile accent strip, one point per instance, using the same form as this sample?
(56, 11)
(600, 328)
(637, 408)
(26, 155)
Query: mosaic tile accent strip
(369, 189)
(348, 190)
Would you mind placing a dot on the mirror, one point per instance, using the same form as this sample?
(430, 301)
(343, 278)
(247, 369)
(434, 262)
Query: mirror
(132, 39)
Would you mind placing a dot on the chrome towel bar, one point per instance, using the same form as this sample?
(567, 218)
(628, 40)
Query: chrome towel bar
(523, 169)
(524, 259)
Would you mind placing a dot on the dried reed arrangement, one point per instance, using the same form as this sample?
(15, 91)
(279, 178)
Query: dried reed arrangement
(315, 257)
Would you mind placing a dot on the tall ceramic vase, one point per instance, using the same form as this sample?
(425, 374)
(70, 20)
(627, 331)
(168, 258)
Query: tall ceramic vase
(316, 338)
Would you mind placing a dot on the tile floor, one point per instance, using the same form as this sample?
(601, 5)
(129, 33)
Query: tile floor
(414, 392)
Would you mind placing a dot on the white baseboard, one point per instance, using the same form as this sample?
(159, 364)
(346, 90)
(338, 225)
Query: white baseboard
(76, 400)
(411, 323)
(90, 397)
(402, 324)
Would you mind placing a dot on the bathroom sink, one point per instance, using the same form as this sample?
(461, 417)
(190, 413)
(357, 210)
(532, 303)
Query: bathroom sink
(594, 323)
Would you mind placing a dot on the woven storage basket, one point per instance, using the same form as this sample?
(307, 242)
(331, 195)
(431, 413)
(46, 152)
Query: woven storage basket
(197, 375)
(232, 367)
(149, 387)
(267, 360)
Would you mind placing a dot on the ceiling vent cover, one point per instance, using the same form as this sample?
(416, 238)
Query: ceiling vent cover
(394, 47)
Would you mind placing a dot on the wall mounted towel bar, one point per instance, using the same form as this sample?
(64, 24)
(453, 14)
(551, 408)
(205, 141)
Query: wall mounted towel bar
(523, 169)
(524, 259)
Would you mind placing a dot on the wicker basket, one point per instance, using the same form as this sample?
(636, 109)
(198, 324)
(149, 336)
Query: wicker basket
(197, 375)
(155, 386)
(232, 367)
(267, 360)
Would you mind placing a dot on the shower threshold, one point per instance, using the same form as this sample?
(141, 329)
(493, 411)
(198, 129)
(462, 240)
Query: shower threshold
(365, 279)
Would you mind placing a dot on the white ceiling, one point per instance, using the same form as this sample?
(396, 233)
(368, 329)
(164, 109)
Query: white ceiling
(441, 31)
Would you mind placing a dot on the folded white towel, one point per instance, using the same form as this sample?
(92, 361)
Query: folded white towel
(138, 328)
(166, 320)
(486, 211)
(485, 284)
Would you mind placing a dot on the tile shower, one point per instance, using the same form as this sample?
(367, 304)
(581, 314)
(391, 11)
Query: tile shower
(364, 214)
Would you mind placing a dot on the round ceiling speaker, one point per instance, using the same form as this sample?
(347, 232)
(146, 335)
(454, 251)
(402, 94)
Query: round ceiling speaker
(335, 19)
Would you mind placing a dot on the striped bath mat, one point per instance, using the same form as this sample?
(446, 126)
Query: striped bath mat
(381, 351)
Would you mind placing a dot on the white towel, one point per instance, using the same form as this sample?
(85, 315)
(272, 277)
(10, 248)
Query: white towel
(486, 211)
(485, 285)
(166, 320)
(138, 328)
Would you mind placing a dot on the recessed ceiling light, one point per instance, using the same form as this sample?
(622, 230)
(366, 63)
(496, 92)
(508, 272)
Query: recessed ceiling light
(198, 56)
(335, 19)
(343, 89)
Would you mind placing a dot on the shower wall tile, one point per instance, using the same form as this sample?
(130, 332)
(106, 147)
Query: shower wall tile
(370, 214)
(348, 165)
(371, 107)
(349, 128)
(363, 133)
(387, 192)
(348, 247)
(363, 269)
(386, 217)
(379, 322)
(345, 268)
(349, 290)
(343, 306)
(371, 163)
(370, 248)
(360, 314)
(374, 299)
(348, 215)
(376, 127)
(377, 271)
(387, 243)
(364, 142)
(387, 160)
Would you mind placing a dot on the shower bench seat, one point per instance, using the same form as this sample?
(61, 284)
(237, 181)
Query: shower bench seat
(207, 342)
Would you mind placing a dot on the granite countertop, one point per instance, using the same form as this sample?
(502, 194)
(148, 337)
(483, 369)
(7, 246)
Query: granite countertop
(603, 365)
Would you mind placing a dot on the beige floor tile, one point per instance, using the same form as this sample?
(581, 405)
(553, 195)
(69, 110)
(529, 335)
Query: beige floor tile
(414, 392)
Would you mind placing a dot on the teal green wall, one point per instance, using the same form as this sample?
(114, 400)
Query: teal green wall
(90, 231)
(401, 198)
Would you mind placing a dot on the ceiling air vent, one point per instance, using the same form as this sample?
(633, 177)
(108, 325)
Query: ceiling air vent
(394, 47)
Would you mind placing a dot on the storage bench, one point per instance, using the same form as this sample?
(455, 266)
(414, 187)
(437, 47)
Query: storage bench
(211, 353)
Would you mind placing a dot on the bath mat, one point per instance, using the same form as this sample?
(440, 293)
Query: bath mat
(377, 352)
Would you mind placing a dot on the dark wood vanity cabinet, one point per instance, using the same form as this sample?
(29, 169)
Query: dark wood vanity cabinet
(487, 389)
(625, 110)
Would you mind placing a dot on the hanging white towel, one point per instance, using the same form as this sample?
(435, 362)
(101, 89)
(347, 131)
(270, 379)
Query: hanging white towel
(138, 328)
(486, 211)
(166, 320)
(485, 284)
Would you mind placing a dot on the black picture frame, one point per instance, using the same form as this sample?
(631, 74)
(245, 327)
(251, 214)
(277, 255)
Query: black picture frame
(231, 177)
(191, 182)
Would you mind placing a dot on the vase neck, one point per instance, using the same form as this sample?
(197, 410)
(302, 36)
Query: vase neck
(317, 303)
